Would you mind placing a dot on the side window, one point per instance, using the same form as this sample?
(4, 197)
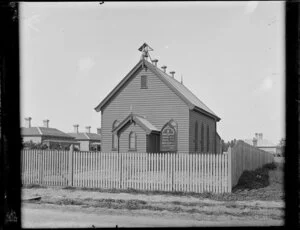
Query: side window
(207, 136)
(132, 141)
(196, 137)
(114, 136)
(202, 138)
(144, 82)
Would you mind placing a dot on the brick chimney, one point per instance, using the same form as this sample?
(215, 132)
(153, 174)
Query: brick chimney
(88, 129)
(155, 62)
(76, 128)
(46, 123)
(164, 68)
(99, 131)
(260, 136)
(28, 122)
(256, 136)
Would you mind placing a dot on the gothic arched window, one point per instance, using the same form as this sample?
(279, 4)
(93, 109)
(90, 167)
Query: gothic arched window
(114, 136)
(196, 136)
(132, 141)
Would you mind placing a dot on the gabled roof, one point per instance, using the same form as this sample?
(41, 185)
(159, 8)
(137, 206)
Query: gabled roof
(183, 92)
(86, 136)
(43, 131)
(146, 125)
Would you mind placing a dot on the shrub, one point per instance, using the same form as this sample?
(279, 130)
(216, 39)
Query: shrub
(270, 166)
(253, 179)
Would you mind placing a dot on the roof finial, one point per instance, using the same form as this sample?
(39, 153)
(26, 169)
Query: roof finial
(145, 48)
(181, 80)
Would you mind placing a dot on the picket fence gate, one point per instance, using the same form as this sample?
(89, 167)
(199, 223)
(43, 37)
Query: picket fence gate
(177, 172)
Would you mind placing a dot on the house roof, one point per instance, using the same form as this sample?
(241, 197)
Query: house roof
(183, 92)
(43, 131)
(61, 141)
(261, 143)
(146, 125)
(86, 136)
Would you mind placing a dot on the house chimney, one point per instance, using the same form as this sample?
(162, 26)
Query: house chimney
(28, 122)
(256, 136)
(88, 129)
(155, 62)
(164, 68)
(75, 128)
(254, 142)
(46, 123)
(260, 135)
(99, 131)
(172, 73)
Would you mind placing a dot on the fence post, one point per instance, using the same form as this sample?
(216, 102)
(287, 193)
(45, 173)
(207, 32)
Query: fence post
(70, 164)
(229, 173)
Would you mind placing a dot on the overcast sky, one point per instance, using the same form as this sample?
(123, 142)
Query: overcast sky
(230, 54)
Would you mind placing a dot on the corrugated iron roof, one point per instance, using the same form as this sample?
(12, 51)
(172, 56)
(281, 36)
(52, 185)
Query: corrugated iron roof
(43, 131)
(182, 89)
(261, 143)
(176, 86)
(142, 122)
(86, 136)
(146, 123)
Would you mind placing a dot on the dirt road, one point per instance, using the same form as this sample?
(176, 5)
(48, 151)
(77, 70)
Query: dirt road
(77, 208)
(56, 216)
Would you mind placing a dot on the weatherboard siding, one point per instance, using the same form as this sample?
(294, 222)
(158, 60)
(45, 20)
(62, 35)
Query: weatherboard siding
(205, 120)
(158, 103)
(33, 139)
(140, 139)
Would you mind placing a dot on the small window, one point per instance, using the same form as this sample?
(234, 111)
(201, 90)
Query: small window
(132, 141)
(207, 136)
(202, 138)
(144, 82)
(196, 137)
(114, 136)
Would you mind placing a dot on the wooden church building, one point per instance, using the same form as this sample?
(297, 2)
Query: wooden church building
(150, 111)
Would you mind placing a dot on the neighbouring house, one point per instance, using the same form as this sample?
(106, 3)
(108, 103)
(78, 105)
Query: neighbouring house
(87, 141)
(151, 111)
(264, 144)
(51, 137)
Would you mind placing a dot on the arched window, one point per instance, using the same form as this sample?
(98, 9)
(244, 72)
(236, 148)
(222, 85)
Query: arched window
(196, 137)
(207, 136)
(202, 138)
(132, 141)
(114, 136)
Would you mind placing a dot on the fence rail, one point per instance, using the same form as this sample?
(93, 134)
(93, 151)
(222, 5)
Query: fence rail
(178, 172)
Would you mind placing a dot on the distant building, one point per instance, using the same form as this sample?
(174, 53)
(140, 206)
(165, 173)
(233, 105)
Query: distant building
(263, 144)
(45, 135)
(151, 111)
(87, 141)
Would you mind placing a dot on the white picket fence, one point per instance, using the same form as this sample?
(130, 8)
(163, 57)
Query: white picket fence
(177, 172)
(141, 171)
